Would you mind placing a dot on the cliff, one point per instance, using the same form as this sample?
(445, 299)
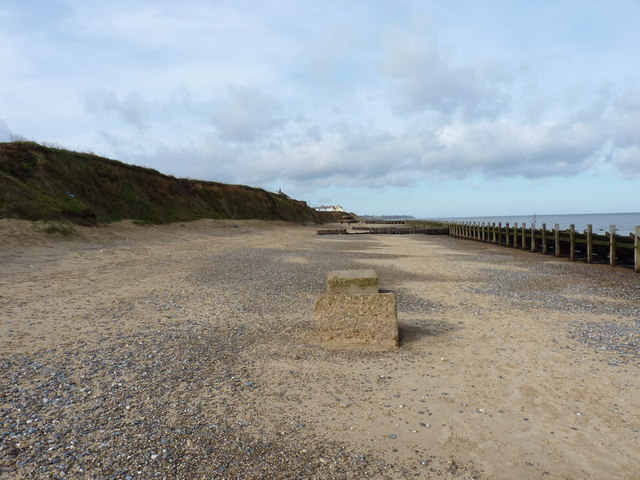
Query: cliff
(43, 183)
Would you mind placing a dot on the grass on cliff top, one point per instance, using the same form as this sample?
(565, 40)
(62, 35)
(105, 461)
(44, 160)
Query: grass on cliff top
(38, 182)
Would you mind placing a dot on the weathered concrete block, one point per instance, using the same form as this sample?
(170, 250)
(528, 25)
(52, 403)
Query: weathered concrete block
(353, 282)
(358, 319)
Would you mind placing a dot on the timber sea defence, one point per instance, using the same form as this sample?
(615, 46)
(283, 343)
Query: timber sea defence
(584, 245)
(608, 248)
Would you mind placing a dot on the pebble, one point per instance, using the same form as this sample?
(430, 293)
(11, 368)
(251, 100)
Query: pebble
(552, 286)
(100, 410)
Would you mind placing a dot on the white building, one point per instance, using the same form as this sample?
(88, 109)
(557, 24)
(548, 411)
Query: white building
(329, 208)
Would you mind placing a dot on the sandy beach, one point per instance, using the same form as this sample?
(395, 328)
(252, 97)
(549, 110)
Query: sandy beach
(187, 351)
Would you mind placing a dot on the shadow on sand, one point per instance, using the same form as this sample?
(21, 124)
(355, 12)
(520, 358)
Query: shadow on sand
(413, 333)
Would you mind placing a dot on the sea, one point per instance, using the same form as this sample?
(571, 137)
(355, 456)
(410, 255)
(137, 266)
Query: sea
(625, 222)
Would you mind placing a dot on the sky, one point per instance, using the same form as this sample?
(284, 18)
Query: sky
(424, 108)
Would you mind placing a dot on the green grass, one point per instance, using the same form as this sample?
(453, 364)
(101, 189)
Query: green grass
(64, 229)
(45, 183)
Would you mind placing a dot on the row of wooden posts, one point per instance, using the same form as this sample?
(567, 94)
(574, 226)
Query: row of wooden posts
(544, 240)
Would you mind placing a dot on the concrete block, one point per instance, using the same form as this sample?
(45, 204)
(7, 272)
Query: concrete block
(353, 282)
(358, 319)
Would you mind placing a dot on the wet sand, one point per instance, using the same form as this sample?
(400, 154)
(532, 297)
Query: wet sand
(188, 351)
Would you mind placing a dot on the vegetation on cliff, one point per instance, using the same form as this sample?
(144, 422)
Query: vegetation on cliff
(43, 183)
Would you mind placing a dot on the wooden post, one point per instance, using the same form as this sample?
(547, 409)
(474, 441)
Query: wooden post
(499, 239)
(515, 235)
(524, 236)
(484, 233)
(556, 234)
(636, 249)
(506, 237)
(572, 241)
(544, 238)
(589, 243)
(533, 237)
(612, 245)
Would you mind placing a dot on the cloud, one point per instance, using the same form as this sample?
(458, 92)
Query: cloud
(5, 133)
(253, 144)
(506, 148)
(237, 114)
(627, 161)
(428, 79)
(245, 114)
(294, 94)
(242, 135)
(130, 108)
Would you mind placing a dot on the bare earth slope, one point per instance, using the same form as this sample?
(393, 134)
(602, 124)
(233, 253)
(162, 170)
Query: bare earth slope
(187, 351)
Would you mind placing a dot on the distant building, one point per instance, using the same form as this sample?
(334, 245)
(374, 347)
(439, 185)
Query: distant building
(329, 208)
(280, 192)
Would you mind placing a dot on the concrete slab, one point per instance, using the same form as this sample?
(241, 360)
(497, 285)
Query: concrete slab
(358, 319)
(353, 282)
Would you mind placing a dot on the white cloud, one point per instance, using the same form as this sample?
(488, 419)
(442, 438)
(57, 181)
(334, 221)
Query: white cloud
(508, 148)
(256, 141)
(244, 114)
(14, 60)
(130, 108)
(5, 133)
(429, 80)
(627, 161)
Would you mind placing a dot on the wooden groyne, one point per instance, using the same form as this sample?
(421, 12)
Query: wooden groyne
(609, 248)
(386, 222)
(401, 230)
(333, 231)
